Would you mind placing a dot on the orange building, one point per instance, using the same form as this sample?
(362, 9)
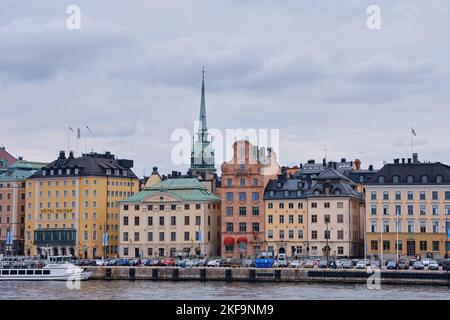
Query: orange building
(243, 180)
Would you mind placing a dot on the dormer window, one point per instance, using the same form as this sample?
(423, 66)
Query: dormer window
(272, 193)
(59, 172)
(44, 172)
(299, 193)
(52, 172)
(286, 193)
(361, 179)
(316, 192)
(300, 184)
(410, 179)
(439, 179)
(381, 179)
(76, 171)
(424, 179)
(124, 173)
(108, 172)
(117, 172)
(395, 179)
(278, 184)
(337, 192)
(67, 171)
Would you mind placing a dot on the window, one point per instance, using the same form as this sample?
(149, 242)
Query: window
(229, 226)
(161, 221)
(410, 209)
(423, 245)
(435, 226)
(186, 207)
(281, 234)
(314, 218)
(341, 250)
(281, 218)
(125, 251)
(424, 179)
(435, 246)
(340, 234)
(398, 209)
(186, 220)
(326, 218)
(385, 195)
(229, 196)
(395, 179)
(435, 195)
(161, 236)
(410, 226)
(229, 182)
(291, 205)
(300, 234)
(125, 236)
(198, 206)
(410, 195)
(255, 196)
(300, 218)
(313, 234)
(386, 245)
(173, 236)
(255, 226)
(136, 236)
(381, 179)
(398, 245)
(423, 226)
(373, 195)
(398, 195)
(270, 218)
(326, 234)
(422, 195)
(326, 205)
(447, 195)
(229, 211)
(374, 245)
(398, 225)
(198, 220)
(242, 227)
(422, 209)
(242, 196)
(173, 207)
(255, 211)
(150, 236)
(173, 220)
(439, 179)
(373, 226)
(373, 209)
(385, 226)
(314, 205)
(340, 205)
(255, 182)
(242, 211)
(242, 182)
(434, 209)
(125, 221)
(186, 236)
(136, 221)
(447, 209)
(291, 218)
(340, 218)
(270, 234)
(150, 221)
(281, 205)
(386, 209)
(291, 234)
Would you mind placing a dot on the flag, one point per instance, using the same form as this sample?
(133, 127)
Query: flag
(78, 133)
(413, 132)
(90, 131)
(70, 128)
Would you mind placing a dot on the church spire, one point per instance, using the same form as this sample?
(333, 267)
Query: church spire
(202, 117)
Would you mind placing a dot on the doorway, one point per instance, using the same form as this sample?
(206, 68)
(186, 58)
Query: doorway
(411, 248)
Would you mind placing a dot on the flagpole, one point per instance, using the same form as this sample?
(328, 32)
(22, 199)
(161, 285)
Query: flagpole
(85, 139)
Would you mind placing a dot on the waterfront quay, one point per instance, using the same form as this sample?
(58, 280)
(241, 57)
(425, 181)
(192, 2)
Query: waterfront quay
(269, 275)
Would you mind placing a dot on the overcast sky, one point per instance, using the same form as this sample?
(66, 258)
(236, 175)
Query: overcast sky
(309, 68)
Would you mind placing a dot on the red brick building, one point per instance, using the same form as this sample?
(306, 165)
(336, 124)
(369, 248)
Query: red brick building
(243, 180)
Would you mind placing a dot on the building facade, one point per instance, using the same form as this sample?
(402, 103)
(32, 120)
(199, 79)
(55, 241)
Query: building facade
(175, 217)
(73, 205)
(407, 210)
(314, 216)
(243, 181)
(12, 205)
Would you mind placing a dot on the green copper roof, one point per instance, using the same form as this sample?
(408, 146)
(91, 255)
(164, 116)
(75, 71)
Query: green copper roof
(186, 189)
(21, 170)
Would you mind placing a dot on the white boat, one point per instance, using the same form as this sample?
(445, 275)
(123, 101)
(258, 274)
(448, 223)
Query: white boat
(57, 268)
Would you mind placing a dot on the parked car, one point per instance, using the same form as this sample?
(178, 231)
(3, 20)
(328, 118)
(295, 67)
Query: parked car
(411, 262)
(425, 262)
(418, 265)
(245, 263)
(264, 262)
(339, 264)
(308, 264)
(324, 264)
(213, 263)
(446, 264)
(201, 263)
(403, 265)
(433, 265)
(391, 265)
(281, 261)
(347, 264)
(361, 264)
(168, 262)
(180, 263)
(333, 264)
(354, 262)
(295, 264)
(375, 264)
(100, 262)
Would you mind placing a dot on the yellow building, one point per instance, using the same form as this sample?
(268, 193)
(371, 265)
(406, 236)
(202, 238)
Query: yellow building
(407, 209)
(72, 205)
(176, 217)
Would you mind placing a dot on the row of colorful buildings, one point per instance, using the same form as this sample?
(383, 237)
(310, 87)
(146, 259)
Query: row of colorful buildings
(95, 206)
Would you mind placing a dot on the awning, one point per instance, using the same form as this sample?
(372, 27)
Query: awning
(228, 241)
(241, 239)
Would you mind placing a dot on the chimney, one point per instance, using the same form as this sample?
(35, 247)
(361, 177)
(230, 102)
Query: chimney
(403, 160)
(189, 173)
(311, 161)
(358, 164)
(396, 161)
(62, 154)
(409, 160)
(343, 160)
(174, 174)
(71, 155)
(415, 157)
(20, 158)
(324, 162)
(155, 170)
(371, 167)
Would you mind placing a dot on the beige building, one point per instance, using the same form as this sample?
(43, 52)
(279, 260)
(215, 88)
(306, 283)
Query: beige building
(318, 216)
(407, 208)
(176, 217)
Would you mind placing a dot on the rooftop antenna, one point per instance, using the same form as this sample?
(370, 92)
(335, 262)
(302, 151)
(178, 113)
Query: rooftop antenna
(326, 154)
